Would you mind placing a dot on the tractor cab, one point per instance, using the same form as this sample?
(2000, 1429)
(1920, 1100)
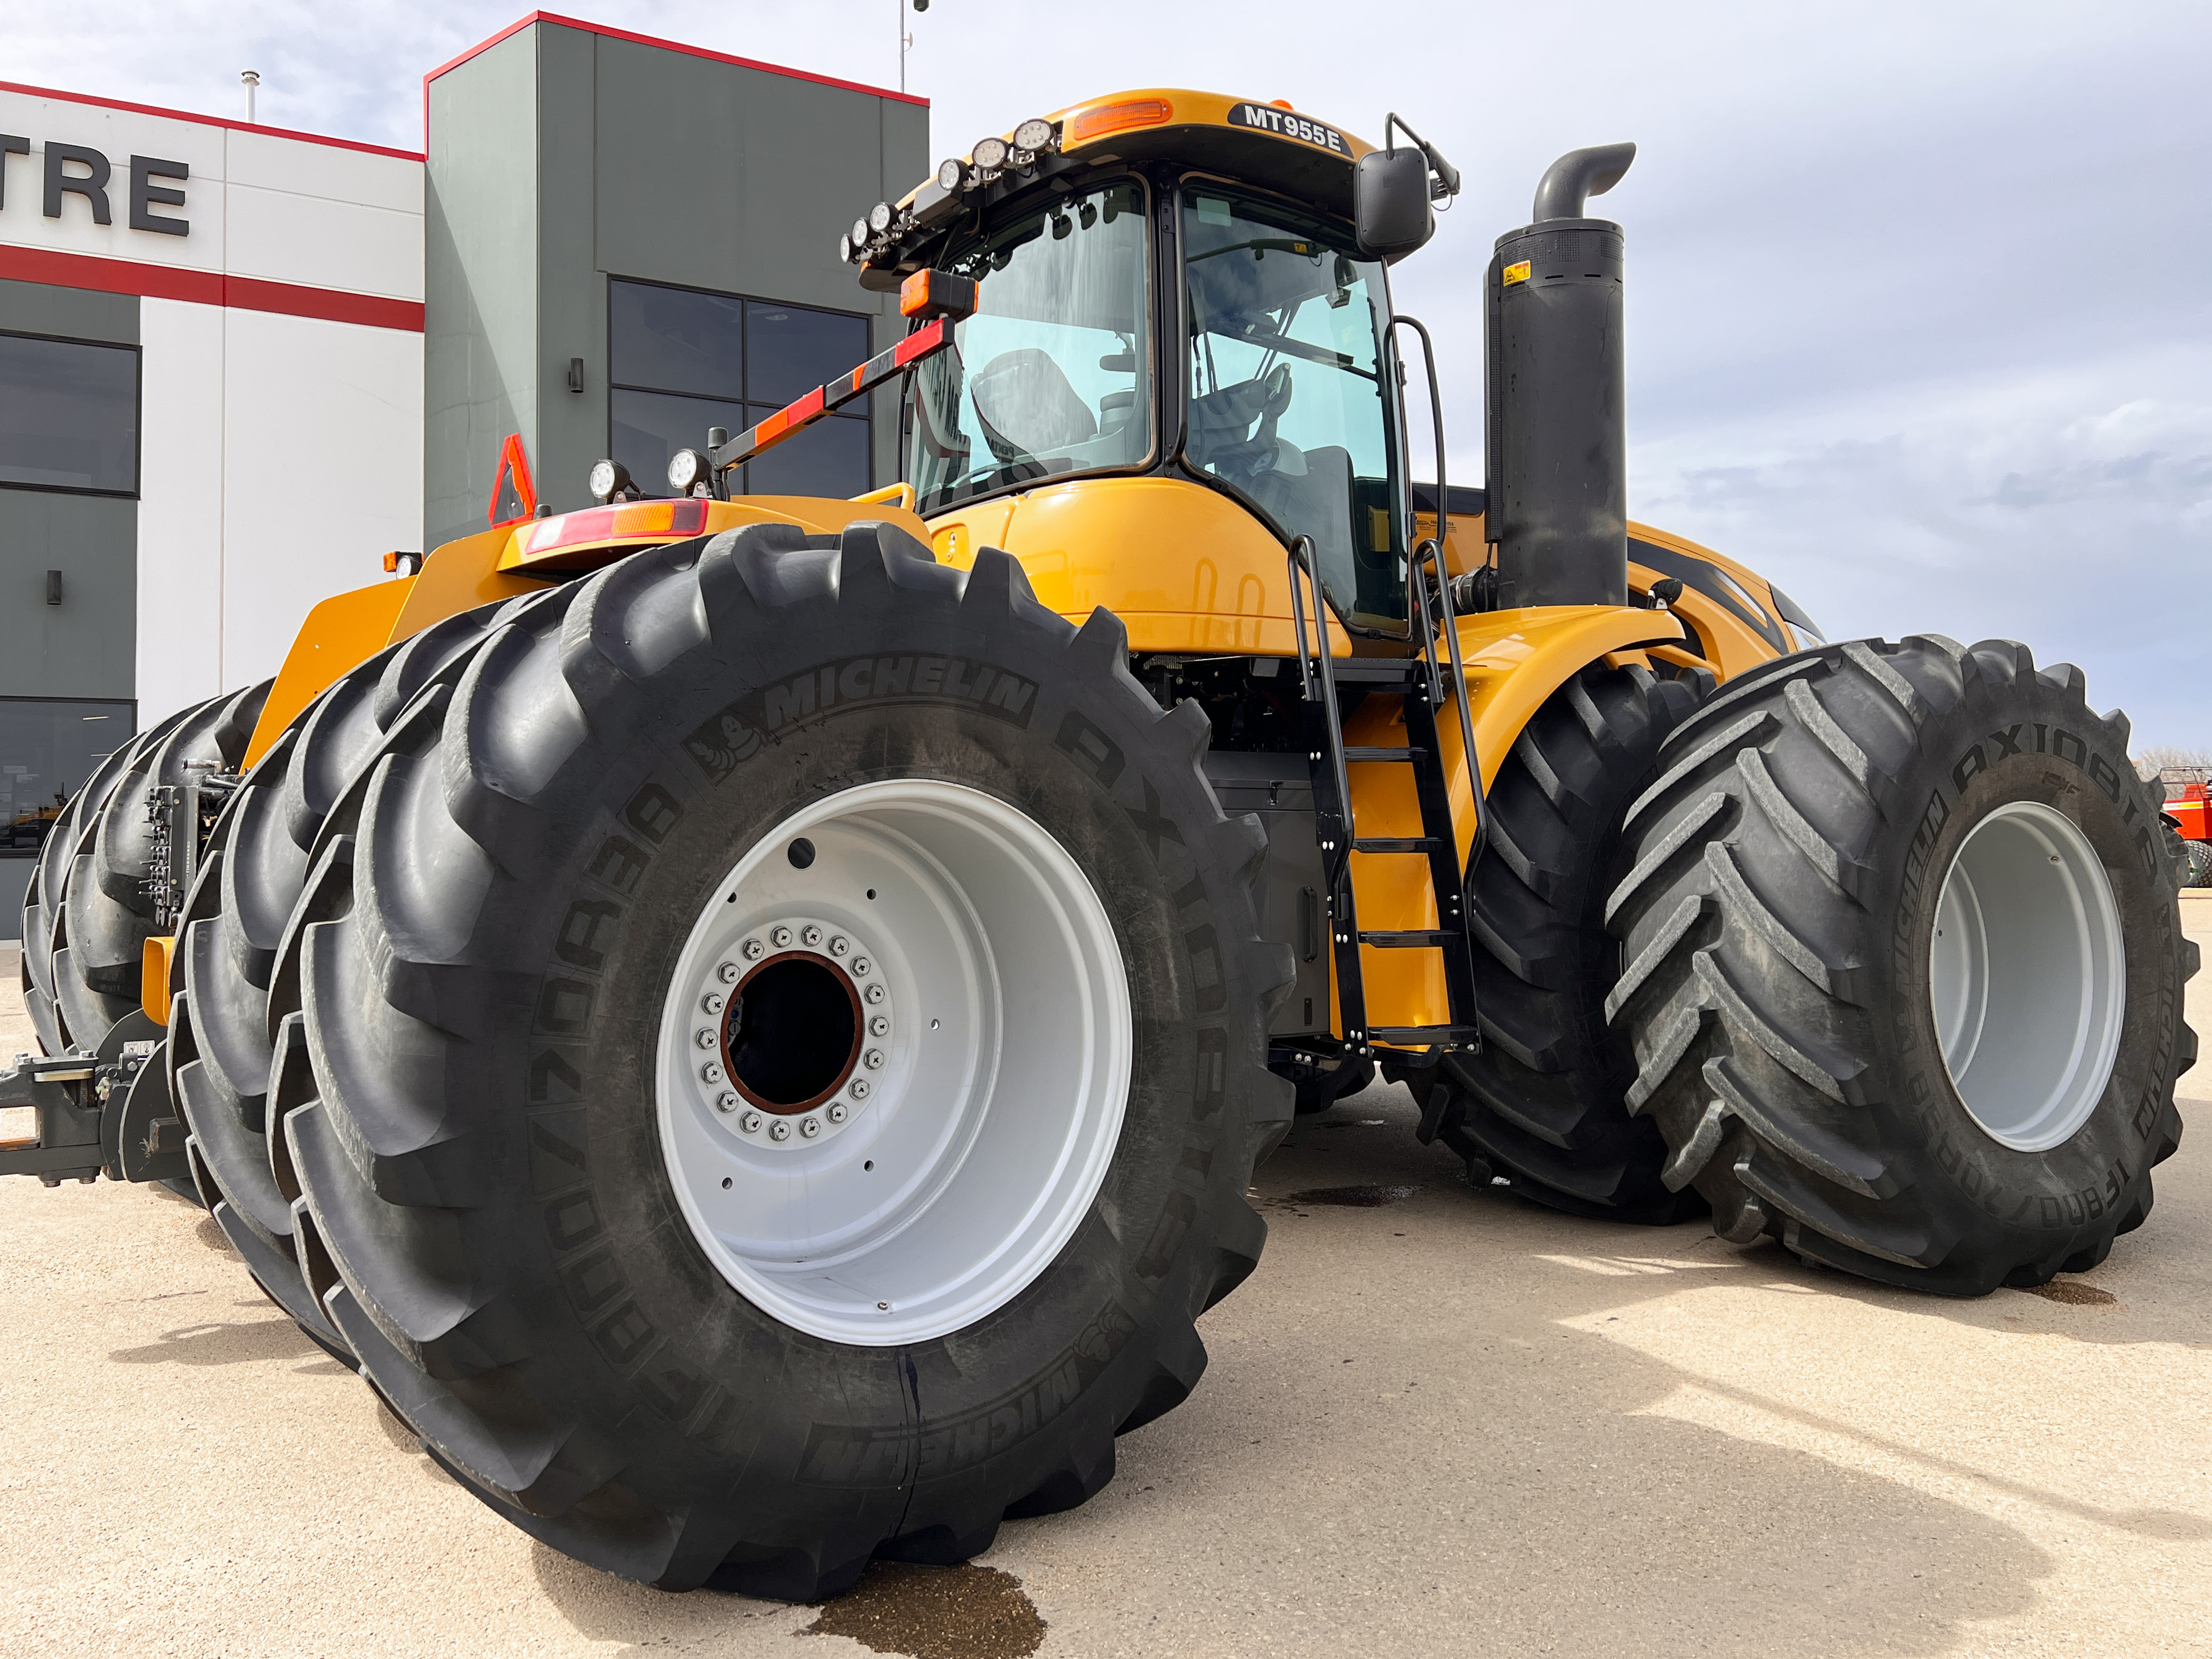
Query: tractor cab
(1171, 288)
(1171, 322)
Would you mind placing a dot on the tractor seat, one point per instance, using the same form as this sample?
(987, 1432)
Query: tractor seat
(1027, 407)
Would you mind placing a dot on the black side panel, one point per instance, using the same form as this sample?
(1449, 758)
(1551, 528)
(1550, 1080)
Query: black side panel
(1279, 791)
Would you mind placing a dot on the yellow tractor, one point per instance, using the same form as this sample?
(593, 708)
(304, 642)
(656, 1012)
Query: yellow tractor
(749, 1021)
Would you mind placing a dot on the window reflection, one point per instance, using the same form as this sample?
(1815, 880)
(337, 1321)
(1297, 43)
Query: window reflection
(1288, 400)
(682, 360)
(48, 748)
(69, 415)
(1051, 375)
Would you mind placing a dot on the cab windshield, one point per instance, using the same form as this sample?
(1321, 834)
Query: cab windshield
(1289, 402)
(1052, 373)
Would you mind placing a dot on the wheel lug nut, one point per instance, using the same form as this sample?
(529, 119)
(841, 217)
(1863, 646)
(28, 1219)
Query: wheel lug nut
(836, 1111)
(859, 964)
(874, 1060)
(810, 1127)
(727, 973)
(878, 1025)
(753, 948)
(710, 1073)
(859, 1088)
(874, 992)
(751, 1123)
(811, 936)
(839, 945)
(712, 1002)
(725, 1102)
(780, 936)
(706, 1039)
(779, 1130)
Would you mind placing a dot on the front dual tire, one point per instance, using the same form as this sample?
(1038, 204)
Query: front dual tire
(938, 1306)
(1903, 965)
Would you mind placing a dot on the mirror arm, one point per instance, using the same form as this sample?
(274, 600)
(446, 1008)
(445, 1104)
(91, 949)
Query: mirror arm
(1446, 183)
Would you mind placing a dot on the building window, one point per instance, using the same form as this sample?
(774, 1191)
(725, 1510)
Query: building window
(48, 748)
(69, 415)
(680, 361)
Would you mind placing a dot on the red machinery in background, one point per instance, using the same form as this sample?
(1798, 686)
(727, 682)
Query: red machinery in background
(2190, 812)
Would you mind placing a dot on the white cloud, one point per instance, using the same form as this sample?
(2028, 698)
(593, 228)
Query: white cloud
(1918, 319)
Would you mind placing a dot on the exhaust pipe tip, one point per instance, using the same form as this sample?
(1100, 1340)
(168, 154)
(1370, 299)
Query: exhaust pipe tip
(1570, 182)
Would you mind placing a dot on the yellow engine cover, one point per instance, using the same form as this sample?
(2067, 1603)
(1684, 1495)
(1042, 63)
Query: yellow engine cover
(1187, 570)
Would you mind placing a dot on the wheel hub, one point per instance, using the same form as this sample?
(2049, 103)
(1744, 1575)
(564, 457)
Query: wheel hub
(794, 1028)
(2028, 976)
(894, 1057)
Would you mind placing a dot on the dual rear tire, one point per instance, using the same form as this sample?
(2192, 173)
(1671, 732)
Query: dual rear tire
(90, 906)
(588, 879)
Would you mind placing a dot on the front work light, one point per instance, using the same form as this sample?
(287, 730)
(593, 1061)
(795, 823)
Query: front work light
(608, 479)
(860, 234)
(950, 174)
(879, 217)
(989, 154)
(686, 467)
(1033, 135)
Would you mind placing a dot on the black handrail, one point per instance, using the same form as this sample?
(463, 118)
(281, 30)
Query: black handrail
(1303, 574)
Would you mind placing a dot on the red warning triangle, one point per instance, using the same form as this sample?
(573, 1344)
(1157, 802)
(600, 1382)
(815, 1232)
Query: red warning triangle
(513, 496)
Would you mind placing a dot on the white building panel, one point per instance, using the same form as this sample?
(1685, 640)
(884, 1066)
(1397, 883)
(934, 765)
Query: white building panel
(322, 472)
(265, 161)
(180, 507)
(320, 243)
(118, 134)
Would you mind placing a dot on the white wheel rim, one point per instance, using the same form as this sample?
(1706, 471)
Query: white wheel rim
(966, 1127)
(2028, 976)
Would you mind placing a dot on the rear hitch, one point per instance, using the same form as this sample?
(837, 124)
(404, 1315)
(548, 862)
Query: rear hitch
(94, 1113)
(59, 1090)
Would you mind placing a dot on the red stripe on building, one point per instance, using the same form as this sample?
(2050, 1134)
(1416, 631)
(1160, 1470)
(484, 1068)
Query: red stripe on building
(208, 120)
(207, 288)
(330, 304)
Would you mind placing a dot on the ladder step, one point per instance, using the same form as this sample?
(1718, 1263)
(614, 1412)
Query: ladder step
(1414, 940)
(1420, 1035)
(1398, 844)
(1356, 752)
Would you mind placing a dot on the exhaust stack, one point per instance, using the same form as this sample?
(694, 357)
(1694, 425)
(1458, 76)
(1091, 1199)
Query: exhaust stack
(1557, 439)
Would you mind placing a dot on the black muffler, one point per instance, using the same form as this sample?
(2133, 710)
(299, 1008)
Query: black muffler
(1557, 507)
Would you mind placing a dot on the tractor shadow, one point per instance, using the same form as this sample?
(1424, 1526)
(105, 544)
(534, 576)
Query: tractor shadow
(1420, 1433)
(222, 1342)
(2156, 1286)
(1479, 1390)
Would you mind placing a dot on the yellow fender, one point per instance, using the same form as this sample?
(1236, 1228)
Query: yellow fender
(1516, 660)
(347, 629)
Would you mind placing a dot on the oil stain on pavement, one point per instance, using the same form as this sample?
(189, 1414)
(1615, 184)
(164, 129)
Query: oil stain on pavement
(1364, 1198)
(2073, 1291)
(935, 1612)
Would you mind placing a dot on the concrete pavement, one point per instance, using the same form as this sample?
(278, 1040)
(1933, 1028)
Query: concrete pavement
(1448, 1424)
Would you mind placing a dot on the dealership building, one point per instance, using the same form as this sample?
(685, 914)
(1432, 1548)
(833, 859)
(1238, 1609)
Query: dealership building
(239, 365)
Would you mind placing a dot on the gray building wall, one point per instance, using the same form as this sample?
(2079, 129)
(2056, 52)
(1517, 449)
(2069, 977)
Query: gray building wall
(560, 157)
(479, 256)
(87, 646)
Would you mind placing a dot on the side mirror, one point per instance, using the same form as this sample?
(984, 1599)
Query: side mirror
(1390, 206)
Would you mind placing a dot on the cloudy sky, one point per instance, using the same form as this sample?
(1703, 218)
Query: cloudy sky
(1920, 316)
